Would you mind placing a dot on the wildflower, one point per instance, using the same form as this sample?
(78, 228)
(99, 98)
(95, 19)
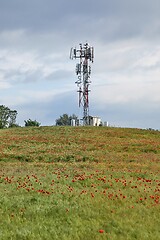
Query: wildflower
(101, 231)
(92, 195)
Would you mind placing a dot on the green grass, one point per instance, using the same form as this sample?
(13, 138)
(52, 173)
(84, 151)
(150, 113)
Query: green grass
(70, 182)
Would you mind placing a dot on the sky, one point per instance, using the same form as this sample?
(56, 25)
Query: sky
(37, 77)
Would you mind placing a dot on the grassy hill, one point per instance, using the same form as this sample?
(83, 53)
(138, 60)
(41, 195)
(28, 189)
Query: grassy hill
(79, 183)
(99, 144)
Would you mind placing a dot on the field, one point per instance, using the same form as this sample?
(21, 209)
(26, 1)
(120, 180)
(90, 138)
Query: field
(79, 183)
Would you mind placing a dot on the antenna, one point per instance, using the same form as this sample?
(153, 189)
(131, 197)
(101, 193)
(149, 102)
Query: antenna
(85, 54)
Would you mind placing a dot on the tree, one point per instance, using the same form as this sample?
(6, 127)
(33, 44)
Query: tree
(7, 117)
(12, 120)
(31, 123)
(65, 120)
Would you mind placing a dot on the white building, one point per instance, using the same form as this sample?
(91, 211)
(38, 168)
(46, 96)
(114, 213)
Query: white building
(94, 121)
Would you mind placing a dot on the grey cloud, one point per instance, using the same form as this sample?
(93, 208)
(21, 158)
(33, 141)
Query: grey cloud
(59, 74)
(138, 114)
(18, 76)
(112, 18)
(48, 112)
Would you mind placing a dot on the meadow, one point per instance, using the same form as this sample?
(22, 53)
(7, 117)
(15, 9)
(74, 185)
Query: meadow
(79, 183)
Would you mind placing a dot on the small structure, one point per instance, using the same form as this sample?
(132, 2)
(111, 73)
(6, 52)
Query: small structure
(95, 121)
(73, 122)
(106, 124)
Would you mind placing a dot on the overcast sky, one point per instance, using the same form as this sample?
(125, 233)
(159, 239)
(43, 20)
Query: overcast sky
(37, 78)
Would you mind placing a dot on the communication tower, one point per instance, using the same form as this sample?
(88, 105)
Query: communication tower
(85, 54)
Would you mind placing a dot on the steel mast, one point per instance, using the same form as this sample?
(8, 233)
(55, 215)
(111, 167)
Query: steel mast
(85, 54)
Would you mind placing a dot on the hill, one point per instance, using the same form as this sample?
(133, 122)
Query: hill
(80, 144)
(79, 183)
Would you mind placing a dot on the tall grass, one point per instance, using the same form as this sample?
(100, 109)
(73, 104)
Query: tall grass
(79, 183)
